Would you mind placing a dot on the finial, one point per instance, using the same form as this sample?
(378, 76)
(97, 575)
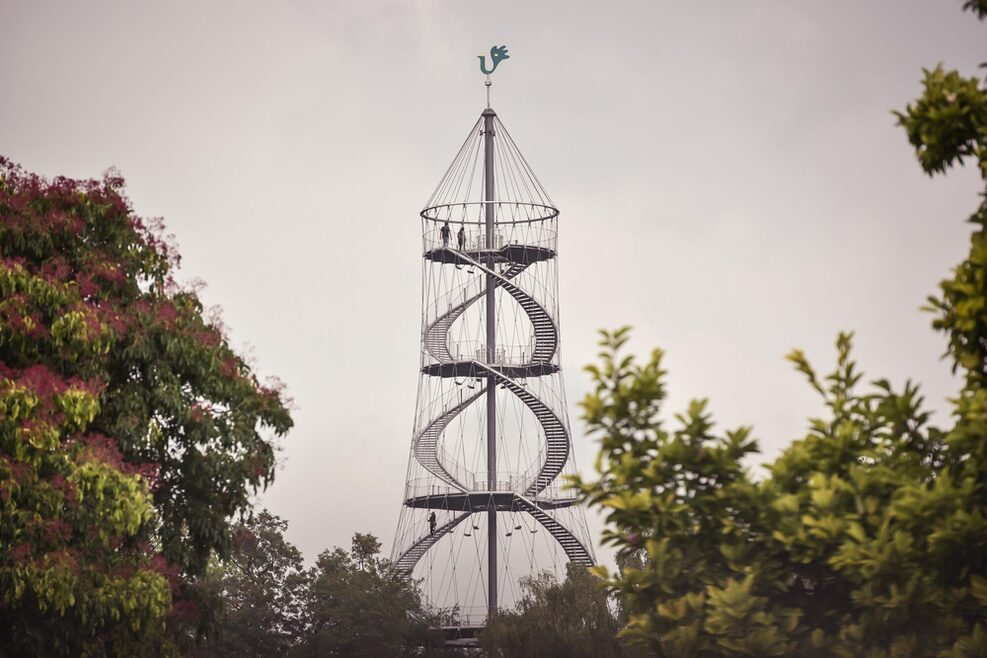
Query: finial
(497, 53)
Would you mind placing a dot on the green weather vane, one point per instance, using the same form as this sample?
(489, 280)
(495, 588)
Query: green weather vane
(497, 54)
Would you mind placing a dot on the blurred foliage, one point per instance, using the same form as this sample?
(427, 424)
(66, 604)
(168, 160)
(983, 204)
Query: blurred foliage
(130, 431)
(947, 123)
(868, 536)
(356, 605)
(978, 7)
(348, 604)
(261, 586)
(572, 618)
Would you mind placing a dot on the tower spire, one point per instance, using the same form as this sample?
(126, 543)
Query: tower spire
(497, 55)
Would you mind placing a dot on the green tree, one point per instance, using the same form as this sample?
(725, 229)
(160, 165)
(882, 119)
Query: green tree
(355, 605)
(261, 585)
(869, 535)
(979, 7)
(131, 432)
(572, 618)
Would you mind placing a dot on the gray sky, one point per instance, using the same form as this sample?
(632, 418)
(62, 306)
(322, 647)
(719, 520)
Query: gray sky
(730, 178)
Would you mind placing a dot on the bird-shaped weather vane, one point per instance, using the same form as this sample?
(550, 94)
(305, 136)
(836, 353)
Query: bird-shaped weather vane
(497, 54)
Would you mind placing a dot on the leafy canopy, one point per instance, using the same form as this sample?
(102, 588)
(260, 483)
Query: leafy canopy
(572, 618)
(261, 586)
(356, 605)
(131, 432)
(868, 537)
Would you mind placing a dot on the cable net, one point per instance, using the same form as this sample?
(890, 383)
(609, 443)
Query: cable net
(489, 260)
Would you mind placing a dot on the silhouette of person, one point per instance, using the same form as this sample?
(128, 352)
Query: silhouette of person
(431, 523)
(445, 235)
(461, 237)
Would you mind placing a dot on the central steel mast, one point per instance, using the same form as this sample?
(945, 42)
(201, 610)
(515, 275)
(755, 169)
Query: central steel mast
(488, 198)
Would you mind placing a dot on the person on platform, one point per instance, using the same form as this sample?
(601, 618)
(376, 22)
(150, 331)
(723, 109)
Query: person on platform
(445, 235)
(431, 523)
(461, 238)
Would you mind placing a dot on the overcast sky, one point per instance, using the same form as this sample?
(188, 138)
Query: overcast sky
(730, 176)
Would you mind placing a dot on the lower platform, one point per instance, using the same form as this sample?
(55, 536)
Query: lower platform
(462, 636)
(469, 369)
(481, 501)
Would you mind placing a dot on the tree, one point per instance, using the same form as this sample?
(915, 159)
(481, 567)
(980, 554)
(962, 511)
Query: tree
(869, 535)
(131, 432)
(261, 585)
(979, 7)
(74, 578)
(348, 604)
(356, 605)
(572, 618)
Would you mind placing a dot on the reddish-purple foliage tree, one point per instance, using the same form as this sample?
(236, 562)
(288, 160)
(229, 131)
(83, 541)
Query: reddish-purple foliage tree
(130, 432)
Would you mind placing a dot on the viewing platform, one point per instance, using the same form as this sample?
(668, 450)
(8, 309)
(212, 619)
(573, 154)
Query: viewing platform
(476, 495)
(526, 254)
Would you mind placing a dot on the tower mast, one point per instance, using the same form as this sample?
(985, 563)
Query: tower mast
(488, 198)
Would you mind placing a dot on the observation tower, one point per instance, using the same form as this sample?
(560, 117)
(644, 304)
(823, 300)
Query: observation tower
(484, 504)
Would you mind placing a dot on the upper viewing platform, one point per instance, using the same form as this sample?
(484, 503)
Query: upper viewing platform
(515, 221)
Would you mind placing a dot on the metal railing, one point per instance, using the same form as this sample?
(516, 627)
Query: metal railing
(504, 212)
(472, 481)
(476, 240)
(500, 355)
(476, 481)
(463, 617)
